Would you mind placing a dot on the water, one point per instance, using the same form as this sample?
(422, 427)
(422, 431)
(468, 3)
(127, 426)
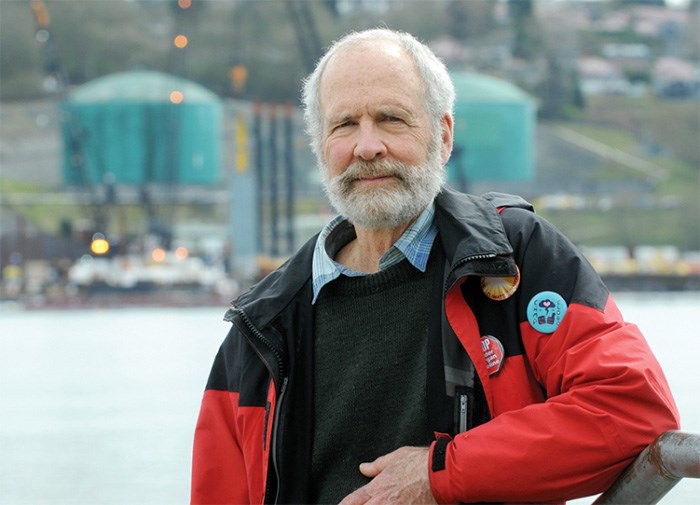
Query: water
(98, 407)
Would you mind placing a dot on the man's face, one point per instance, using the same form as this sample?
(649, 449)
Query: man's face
(382, 161)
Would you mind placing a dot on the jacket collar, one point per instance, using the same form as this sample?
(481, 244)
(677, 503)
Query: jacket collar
(472, 232)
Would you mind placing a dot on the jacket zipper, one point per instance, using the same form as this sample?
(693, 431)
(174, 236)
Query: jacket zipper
(463, 406)
(464, 261)
(273, 444)
(262, 338)
(486, 256)
(255, 332)
(466, 398)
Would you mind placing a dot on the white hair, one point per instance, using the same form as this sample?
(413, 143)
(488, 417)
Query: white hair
(437, 85)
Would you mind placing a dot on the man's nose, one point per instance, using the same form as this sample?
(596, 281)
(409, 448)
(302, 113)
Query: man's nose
(369, 144)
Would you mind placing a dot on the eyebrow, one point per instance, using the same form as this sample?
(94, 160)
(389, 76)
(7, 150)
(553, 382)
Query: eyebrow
(393, 111)
(339, 118)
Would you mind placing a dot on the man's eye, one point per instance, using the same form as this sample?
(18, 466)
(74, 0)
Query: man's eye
(344, 124)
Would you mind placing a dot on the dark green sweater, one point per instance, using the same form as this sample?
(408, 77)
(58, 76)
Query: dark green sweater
(370, 373)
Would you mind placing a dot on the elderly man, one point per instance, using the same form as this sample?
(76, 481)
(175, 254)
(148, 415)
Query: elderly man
(427, 346)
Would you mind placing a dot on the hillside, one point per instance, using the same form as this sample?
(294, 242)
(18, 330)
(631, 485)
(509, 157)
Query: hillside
(597, 200)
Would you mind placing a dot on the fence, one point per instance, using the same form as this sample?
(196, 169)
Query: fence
(671, 457)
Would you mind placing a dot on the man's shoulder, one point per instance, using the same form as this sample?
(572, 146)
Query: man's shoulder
(283, 283)
(507, 200)
(451, 199)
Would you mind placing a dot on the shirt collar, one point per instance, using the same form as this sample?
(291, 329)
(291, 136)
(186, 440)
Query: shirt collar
(414, 245)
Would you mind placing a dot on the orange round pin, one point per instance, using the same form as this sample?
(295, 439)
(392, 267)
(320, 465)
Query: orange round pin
(501, 288)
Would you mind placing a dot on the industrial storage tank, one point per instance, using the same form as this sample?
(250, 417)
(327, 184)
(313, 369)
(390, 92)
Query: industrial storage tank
(494, 131)
(141, 127)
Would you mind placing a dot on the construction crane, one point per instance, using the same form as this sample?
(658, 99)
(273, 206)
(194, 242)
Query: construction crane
(55, 78)
(56, 82)
(306, 31)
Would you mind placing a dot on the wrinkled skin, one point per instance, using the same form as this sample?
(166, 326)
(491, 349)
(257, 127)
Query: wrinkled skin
(400, 477)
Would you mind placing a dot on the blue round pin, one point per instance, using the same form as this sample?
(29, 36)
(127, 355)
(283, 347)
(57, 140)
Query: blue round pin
(545, 311)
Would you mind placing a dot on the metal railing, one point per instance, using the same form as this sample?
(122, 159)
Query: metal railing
(671, 457)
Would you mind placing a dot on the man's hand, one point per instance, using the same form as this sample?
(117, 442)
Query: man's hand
(399, 477)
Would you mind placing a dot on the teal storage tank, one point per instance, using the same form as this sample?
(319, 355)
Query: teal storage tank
(494, 131)
(141, 127)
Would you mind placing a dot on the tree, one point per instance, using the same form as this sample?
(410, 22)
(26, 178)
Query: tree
(469, 18)
(20, 57)
(658, 3)
(527, 41)
(458, 19)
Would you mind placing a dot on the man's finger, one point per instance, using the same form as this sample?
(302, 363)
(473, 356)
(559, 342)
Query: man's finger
(372, 468)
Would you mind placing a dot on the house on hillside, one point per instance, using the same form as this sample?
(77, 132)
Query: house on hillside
(599, 76)
(676, 78)
(647, 21)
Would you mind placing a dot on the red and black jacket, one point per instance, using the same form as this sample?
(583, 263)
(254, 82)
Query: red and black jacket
(560, 414)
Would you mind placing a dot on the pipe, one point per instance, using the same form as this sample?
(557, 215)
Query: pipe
(671, 457)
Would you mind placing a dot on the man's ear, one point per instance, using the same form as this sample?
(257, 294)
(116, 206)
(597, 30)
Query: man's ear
(446, 137)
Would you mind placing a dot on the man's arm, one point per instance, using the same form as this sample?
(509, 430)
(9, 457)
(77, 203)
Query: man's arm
(218, 472)
(606, 395)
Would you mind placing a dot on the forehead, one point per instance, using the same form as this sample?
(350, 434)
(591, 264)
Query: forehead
(370, 71)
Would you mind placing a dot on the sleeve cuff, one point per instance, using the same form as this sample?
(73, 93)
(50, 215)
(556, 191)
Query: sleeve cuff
(438, 457)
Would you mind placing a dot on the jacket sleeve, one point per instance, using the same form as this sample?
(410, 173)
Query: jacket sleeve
(606, 397)
(218, 471)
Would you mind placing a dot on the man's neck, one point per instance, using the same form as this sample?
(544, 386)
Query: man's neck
(363, 253)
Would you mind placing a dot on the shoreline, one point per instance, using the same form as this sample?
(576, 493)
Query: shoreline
(618, 284)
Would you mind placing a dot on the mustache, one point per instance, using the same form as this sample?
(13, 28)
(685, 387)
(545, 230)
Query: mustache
(364, 169)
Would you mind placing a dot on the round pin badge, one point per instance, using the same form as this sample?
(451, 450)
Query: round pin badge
(545, 311)
(493, 353)
(501, 288)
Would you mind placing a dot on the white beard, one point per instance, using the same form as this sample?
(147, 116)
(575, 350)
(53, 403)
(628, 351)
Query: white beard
(385, 207)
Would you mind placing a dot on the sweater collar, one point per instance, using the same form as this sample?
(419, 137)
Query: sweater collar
(414, 244)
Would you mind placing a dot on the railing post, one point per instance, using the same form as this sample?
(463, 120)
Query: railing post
(671, 457)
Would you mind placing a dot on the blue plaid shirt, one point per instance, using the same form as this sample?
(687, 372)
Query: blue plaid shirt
(414, 245)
